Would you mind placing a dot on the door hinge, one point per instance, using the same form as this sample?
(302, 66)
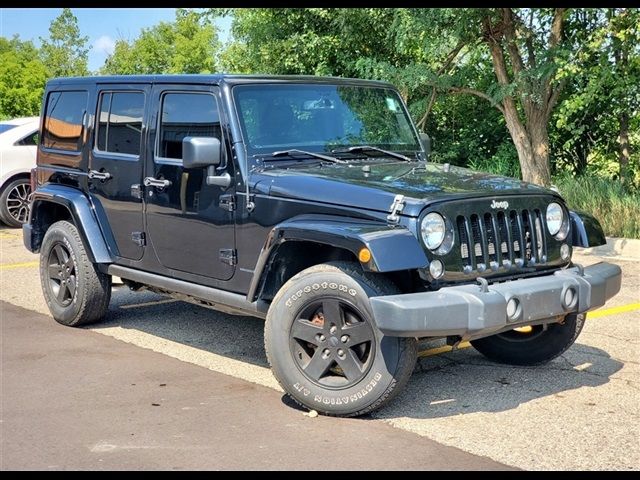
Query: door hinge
(228, 256)
(136, 191)
(228, 202)
(139, 238)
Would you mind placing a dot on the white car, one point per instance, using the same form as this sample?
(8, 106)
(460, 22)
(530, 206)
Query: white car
(18, 145)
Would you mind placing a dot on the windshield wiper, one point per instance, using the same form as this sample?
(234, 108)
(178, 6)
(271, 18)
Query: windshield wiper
(295, 151)
(365, 148)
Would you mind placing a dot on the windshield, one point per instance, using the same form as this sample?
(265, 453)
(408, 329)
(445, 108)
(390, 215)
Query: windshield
(6, 126)
(322, 118)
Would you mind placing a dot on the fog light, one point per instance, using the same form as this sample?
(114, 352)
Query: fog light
(436, 268)
(564, 252)
(513, 309)
(569, 298)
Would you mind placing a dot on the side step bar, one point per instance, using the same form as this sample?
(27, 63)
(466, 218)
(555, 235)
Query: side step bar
(222, 300)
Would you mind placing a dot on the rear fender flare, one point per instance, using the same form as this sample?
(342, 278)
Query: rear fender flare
(83, 215)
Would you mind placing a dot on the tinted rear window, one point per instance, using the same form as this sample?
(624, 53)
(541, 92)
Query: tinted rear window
(63, 121)
(120, 122)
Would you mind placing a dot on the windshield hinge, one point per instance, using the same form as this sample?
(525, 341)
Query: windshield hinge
(395, 209)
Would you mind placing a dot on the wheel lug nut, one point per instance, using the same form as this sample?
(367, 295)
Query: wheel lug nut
(321, 337)
(326, 352)
(333, 329)
(340, 352)
(344, 338)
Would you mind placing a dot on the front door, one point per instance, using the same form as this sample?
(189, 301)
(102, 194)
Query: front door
(115, 166)
(190, 229)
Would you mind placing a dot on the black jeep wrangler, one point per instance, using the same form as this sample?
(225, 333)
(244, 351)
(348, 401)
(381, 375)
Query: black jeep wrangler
(309, 202)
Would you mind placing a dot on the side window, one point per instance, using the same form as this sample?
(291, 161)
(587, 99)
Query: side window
(186, 115)
(120, 122)
(63, 121)
(29, 140)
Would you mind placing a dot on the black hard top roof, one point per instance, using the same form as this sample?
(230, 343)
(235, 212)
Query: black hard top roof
(214, 79)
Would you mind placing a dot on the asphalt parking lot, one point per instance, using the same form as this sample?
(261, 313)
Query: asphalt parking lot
(581, 411)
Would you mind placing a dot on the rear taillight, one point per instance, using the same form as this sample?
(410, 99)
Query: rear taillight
(33, 180)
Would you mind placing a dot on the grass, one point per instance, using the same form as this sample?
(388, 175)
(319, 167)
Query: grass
(617, 209)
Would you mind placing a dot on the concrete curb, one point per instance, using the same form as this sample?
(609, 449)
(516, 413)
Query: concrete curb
(622, 248)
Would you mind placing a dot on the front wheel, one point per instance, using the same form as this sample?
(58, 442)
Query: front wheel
(532, 345)
(324, 347)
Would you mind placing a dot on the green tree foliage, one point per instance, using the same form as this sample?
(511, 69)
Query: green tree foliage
(64, 52)
(597, 121)
(515, 60)
(22, 79)
(187, 45)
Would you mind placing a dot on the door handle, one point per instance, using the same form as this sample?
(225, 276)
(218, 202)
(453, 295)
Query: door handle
(154, 182)
(96, 175)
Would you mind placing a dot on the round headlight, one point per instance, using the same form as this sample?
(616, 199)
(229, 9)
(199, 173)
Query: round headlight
(432, 230)
(555, 217)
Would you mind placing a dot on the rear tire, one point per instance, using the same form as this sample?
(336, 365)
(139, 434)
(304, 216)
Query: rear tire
(324, 347)
(14, 206)
(76, 292)
(532, 348)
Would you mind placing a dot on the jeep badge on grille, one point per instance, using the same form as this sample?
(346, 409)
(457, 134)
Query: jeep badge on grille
(495, 204)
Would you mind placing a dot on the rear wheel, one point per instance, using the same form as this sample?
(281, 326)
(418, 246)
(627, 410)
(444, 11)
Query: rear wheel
(324, 347)
(76, 292)
(14, 202)
(531, 345)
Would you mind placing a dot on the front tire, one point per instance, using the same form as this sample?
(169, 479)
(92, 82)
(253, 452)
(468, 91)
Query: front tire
(76, 292)
(323, 345)
(536, 346)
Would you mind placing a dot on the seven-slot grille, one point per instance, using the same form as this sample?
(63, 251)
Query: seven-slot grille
(496, 239)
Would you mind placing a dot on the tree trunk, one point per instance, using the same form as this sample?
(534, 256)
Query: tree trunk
(533, 150)
(540, 171)
(623, 144)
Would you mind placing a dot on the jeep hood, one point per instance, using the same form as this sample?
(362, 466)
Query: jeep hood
(373, 186)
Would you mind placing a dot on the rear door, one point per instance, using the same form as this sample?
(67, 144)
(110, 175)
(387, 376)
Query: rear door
(115, 165)
(190, 224)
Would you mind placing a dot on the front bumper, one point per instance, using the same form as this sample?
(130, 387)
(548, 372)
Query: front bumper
(475, 311)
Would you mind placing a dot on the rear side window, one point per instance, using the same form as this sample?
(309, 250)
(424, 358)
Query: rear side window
(29, 140)
(120, 122)
(63, 120)
(186, 115)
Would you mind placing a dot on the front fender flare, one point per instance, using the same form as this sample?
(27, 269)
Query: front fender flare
(586, 230)
(392, 247)
(82, 213)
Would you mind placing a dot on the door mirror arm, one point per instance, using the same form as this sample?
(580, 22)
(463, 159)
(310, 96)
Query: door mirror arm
(221, 180)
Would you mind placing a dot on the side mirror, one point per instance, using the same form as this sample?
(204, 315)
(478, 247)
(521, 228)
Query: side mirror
(426, 144)
(200, 152)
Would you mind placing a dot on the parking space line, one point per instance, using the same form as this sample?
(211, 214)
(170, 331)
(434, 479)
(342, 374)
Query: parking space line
(6, 266)
(612, 311)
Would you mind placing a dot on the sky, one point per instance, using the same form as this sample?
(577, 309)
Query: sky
(103, 26)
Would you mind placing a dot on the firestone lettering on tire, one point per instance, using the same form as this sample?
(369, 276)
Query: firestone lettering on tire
(317, 286)
(343, 400)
